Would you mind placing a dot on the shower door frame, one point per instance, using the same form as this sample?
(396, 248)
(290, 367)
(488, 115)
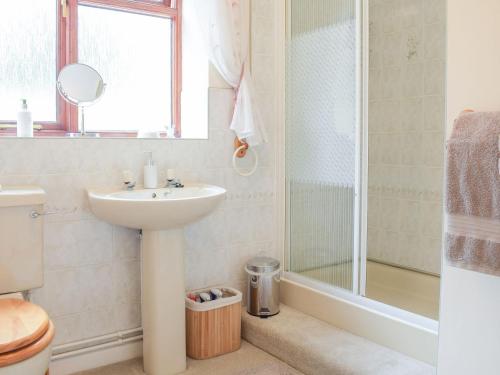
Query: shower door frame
(358, 263)
(363, 154)
(355, 296)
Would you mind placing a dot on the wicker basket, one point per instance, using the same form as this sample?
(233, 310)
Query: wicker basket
(213, 328)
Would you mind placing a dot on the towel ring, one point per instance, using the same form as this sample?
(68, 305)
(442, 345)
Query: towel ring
(235, 157)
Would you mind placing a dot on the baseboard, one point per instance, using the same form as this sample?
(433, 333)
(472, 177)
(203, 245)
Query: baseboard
(91, 358)
(414, 340)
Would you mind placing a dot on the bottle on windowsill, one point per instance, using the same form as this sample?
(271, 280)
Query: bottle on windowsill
(24, 121)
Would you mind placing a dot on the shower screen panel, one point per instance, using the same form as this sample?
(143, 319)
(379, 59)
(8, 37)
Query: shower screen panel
(321, 127)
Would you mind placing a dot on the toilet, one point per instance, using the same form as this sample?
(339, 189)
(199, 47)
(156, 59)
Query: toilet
(26, 332)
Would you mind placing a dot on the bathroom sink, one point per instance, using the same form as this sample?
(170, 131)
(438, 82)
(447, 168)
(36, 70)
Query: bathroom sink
(161, 214)
(155, 209)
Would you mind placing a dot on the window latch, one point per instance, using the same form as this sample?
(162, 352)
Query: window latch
(64, 8)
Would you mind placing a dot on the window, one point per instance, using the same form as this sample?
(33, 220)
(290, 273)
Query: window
(134, 44)
(23, 41)
(133, 55)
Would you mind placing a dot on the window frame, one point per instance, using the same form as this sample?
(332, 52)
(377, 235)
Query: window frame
(67, 53)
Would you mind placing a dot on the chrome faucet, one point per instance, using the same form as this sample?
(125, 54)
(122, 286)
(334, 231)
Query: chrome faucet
(174, 182)
(129, 185)
(128, 180)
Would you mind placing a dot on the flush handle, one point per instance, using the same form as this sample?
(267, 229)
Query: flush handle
(35, 214)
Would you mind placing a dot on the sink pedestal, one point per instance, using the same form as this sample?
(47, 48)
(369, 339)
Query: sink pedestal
(161, 213)
(163, 307)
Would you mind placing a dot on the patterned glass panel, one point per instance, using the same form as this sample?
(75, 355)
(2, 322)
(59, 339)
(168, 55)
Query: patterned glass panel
(28, 40)
(321, 128)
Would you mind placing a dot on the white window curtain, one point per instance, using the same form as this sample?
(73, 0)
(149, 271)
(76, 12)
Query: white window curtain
(228, 50)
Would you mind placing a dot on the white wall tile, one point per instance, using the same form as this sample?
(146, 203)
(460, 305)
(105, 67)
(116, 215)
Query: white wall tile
(125, 281)
(126, 243)
(391, 49)
(406, 130)
(412, 13)
(392, 83)
(434, 116)
(127, 315)
(62, 292)
(411, 145)
(412, 114)
(434, 11)
(68, 328)
(412, 80)
(409, 215)
(435, 41)
(432, 149)
(434, 77)
(98, 321)
(96, 286)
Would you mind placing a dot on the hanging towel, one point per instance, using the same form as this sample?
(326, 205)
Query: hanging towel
(473, 193)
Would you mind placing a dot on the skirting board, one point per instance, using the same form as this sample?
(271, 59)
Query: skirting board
(383, 329)
(96, 358)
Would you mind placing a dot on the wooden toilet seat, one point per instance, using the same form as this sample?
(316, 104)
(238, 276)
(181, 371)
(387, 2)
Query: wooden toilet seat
(25, 330)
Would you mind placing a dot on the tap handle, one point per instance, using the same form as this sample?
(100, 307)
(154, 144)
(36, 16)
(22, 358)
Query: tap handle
(171, 174)
(128, 179)
(128, 176)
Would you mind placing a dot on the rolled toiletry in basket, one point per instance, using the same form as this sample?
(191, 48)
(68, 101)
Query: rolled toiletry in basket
(205, 297)
(216, 293)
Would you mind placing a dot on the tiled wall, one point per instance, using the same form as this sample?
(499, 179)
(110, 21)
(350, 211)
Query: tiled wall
(406, 131)
(92, 269)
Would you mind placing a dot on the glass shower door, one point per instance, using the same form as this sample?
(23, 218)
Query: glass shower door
(322, 142)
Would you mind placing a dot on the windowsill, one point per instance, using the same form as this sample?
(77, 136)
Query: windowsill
(46, 133)
(60, 134)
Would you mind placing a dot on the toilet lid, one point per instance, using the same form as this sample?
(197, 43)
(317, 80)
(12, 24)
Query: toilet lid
(21, 324)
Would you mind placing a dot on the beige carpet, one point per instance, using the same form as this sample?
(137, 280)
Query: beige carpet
(307, 344)
(317, 348)
(249, 360)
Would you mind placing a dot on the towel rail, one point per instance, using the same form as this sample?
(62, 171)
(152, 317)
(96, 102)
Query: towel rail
(241, 149)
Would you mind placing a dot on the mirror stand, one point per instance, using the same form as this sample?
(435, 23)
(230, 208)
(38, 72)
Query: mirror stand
(82, 132)
(81, 86)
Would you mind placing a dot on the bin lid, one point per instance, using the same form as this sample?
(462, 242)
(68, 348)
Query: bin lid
(263, 264)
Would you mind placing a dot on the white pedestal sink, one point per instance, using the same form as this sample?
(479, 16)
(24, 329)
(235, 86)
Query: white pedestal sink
(161, 214)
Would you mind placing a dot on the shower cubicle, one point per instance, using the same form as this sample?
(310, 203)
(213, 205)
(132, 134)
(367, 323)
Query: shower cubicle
(364, 142)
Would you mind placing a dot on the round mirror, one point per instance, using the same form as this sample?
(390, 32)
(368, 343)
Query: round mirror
(80, 84)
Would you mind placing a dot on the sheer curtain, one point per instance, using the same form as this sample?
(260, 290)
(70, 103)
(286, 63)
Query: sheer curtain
(227, 33)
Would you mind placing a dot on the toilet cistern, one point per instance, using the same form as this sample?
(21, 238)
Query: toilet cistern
(26, 332)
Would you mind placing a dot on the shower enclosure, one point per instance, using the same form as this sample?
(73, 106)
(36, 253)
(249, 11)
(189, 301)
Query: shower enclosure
(322, 117)
(364, 148)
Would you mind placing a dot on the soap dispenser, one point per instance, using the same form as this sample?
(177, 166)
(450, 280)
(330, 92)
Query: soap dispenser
(150, 172)
(24, 121)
